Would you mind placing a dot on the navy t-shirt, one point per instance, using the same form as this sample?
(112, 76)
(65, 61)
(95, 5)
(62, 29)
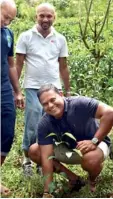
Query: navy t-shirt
(78, 119)
(7, 41)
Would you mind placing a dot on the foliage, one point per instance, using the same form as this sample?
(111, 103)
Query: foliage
(91, 29)
(12, 175)
(12, 172)
(60, 142)
(91, 68)
(87, 78)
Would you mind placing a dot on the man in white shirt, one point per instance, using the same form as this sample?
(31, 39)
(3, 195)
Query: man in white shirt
(44, 51)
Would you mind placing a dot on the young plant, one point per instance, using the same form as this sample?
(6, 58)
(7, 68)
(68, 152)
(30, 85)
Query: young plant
(60, 141)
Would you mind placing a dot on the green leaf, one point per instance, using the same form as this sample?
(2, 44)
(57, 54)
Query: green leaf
(51, 134)
(110, 81)
(110, 88)
(57, 143)
(51, 157)
(44, 178)
(78, 151)
(66, 143)
(52, 187)
(63, 174)
(70, 135)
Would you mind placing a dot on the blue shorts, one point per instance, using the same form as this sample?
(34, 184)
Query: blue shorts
(8, 115)
(33, 113)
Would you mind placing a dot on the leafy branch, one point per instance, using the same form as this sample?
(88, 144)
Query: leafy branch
(105, 18)
(68, 154)
(95, 50)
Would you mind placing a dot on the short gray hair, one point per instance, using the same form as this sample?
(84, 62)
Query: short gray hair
(47, 87)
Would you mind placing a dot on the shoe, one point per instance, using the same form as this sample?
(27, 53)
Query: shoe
(47, 195)
(111, 152)
(74, 185)
(27, 169)
(39, 170)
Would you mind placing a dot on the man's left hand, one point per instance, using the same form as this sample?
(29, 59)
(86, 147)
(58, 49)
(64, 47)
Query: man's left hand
(85, 146)
(19, 100)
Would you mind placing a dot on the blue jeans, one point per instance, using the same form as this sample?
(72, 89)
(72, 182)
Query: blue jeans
(8, 115)
(33, 114)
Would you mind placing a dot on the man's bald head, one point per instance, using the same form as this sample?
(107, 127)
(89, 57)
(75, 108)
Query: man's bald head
(46, 6)
(45, 16)
(8, 11)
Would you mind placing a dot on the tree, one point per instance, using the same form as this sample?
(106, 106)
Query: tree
(91, 31)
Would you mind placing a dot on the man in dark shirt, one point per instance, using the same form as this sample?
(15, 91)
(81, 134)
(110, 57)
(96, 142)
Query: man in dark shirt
(72, 122)
(9, 78)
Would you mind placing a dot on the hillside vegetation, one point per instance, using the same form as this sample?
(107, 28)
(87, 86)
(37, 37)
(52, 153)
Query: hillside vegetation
(88, 28)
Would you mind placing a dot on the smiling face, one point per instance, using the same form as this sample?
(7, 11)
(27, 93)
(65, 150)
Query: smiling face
(8, 13)
(45, 17)
(52, 103)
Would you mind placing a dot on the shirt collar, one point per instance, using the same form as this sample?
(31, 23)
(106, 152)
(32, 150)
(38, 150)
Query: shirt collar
(65, 104)
(53, 31)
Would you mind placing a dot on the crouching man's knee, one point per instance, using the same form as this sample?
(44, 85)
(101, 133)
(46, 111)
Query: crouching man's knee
(34, 153)
(92, 160)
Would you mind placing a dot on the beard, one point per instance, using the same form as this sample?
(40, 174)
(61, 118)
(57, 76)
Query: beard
(45, 26)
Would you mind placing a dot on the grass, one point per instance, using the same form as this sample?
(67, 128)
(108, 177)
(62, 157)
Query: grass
(12, 174)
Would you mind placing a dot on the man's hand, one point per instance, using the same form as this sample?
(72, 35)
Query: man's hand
(85, 146)
(19, 100)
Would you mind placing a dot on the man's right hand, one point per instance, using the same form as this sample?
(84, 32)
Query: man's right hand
(85, 146)
(19, 100)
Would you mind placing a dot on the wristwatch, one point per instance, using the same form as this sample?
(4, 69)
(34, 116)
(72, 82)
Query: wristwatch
(95, 141)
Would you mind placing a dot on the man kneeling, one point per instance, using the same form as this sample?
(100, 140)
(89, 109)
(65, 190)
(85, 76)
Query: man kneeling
(75, 116)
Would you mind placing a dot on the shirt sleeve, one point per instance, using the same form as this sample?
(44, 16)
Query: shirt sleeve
(43, 131)
(88, 106)
(21, 46)
(64, 48)
(11, 51)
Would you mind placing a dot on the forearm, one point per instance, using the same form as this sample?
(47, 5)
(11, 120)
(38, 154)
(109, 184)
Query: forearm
(65, 78)
(105, 126)
(64, 73)
(47, 168)
(46, 151)
(19, 63)
(14, 79)
(19, 70)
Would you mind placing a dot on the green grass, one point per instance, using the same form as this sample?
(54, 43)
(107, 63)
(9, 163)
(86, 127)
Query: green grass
(12, 174)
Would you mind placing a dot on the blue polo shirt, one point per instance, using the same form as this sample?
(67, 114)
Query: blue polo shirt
(78, 119)
(6, 51)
